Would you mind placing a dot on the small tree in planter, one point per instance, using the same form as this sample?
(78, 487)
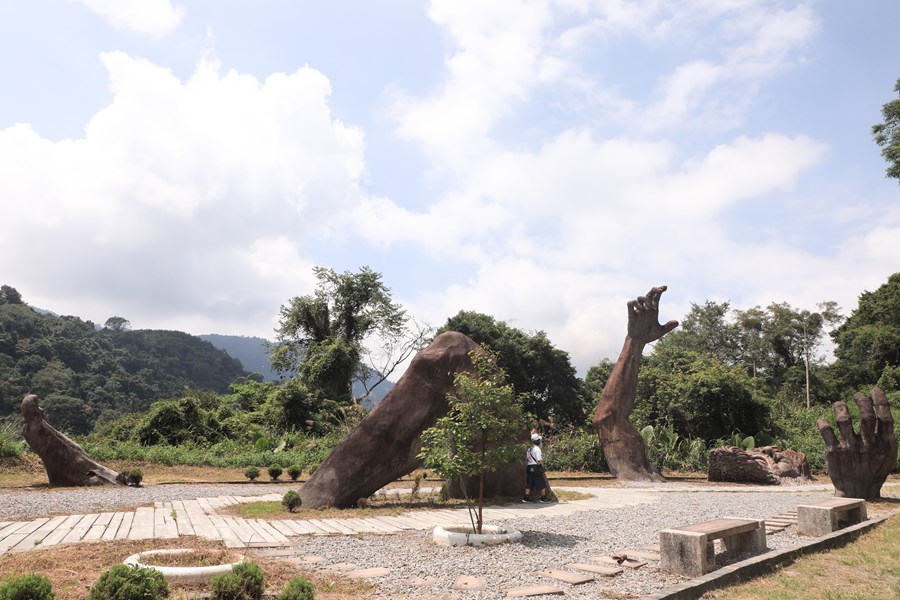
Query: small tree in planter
(481, 431)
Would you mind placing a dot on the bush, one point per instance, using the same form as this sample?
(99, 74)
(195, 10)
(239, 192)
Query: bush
(291, 500)
(298, 588)
(275, 472)
(134, 477)
(226, 586)
(294, 471)
(245, 582)
(127, 582)
(29, 587)
(574, 451)
(251, 473)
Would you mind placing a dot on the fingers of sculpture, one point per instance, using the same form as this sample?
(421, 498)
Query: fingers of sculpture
(885, 425)
(866, 418)
(842, 416)
(669, 326)
(831, 442)
(654, 294)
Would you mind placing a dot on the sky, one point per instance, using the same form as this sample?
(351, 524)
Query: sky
(185, 164)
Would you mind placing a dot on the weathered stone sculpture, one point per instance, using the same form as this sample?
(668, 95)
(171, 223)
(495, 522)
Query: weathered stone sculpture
(860, 462)
(622, 444)
(383, 447)
(66, 463)
(768, 465)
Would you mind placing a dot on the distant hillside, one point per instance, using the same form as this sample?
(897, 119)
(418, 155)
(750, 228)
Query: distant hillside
(253, 354)
(84, 375)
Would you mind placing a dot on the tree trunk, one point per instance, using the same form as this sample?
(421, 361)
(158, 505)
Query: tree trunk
(66, 463)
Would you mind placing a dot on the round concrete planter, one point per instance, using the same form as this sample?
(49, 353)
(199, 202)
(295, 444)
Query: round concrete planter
(461, 535)
(180, 574)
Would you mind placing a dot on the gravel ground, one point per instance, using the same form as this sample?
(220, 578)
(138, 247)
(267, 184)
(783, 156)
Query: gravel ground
(549, 541)
(553, 542)
(25, 503)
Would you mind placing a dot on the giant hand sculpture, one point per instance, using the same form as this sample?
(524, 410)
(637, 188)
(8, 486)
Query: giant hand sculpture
(860, 462)
(622, 444)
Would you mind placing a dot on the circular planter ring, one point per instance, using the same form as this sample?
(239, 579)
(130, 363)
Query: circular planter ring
(180, 574)
(461, 535)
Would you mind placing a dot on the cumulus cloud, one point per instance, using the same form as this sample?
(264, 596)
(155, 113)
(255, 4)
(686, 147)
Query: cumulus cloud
(155, 18)
(183, 197)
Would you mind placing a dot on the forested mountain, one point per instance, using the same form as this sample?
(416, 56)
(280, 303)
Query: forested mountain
(84, 375)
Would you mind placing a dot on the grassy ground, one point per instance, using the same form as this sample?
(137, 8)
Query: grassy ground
(867, 569)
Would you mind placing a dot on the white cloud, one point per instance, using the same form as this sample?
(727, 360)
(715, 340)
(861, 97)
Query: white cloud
(182, 196)
(155, 18)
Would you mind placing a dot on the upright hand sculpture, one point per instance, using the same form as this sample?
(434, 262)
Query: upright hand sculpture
(860, 462)
(65, 461)
(622, 444)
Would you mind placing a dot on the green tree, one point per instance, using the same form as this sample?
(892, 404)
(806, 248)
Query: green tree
(887, 135)
(480, 432)
(320, 337)
(868, 342)
(539, 372)
(117, 324)
(707, 330)
(9, 295)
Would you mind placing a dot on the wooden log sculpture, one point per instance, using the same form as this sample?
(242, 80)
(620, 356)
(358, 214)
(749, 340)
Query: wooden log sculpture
(859, 463)
(769, 465)
(622, 444)
(383, 447)
(66, 463)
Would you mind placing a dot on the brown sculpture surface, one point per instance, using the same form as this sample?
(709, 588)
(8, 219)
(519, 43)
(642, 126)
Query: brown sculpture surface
(383, 447)
(66, 463)
(622, 444)
(859, 463)
(768, 465)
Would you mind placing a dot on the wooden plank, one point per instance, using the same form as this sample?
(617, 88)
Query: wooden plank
(524, 591)
(125, 526)
(142, 524)
(630, 563)
(113, 527)
(566, 576)
(719, 528)
(182, 520)
(60, 531)
(641, 554)
(598, 569)
(80, 529)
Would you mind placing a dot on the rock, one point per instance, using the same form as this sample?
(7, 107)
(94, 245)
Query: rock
(383, 447)
(768, 465)
(66, 463)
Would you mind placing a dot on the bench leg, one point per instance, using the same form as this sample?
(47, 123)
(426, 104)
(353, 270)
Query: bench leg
(853, 516)
(685, 552)
(753, 541)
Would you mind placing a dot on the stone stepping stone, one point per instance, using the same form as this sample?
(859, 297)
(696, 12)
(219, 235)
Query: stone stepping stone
(469, 582)
(630, 563)
(533, 590)
(641, 554)
(369, 573)
(652, 548)
(597, 569)
(567, 576)
(277, 552)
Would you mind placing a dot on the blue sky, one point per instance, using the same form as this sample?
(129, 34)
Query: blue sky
(185, 164)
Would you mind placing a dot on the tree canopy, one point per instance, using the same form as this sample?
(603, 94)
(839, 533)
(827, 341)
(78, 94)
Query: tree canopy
(320, 336)
(539, 372)
(887, 135)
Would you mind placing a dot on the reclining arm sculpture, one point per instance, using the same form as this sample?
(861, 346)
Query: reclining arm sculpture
(859, 464)
(66, 463)
(622, 444)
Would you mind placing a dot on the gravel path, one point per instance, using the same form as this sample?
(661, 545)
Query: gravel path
(28, 503)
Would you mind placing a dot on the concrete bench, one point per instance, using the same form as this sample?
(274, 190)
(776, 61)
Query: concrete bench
(821, 518)
(690, 550)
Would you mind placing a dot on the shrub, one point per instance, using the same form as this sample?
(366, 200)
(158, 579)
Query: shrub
(28, 587)
(298, 588)
(245, 582)
(291, 500)
(294, 471)
(574, 451)
(275, 472)
(134, 477)
(126, 582)
(312, 468)
(251, 473)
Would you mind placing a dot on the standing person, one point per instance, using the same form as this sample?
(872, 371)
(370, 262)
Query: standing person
(535, 479)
